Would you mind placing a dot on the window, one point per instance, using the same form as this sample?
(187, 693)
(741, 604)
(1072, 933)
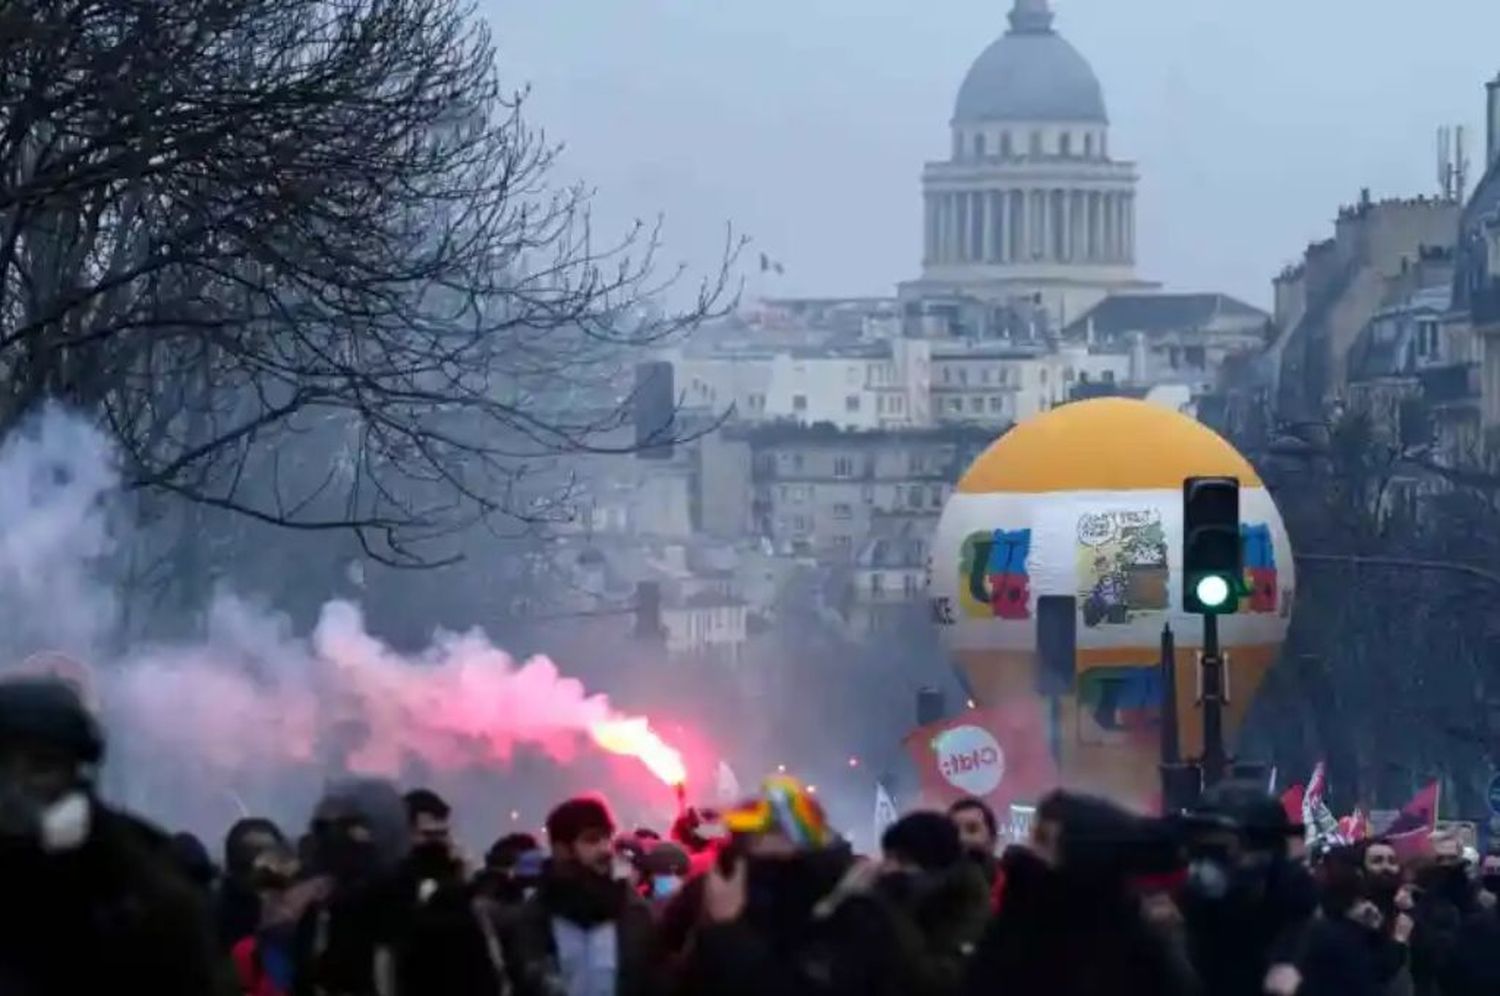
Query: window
(984, 376)
(947, 375)
(1088, 146)
(935, 496)
(914, 496)
(997, 403)
(979, 146)
(1195, 356)
(898, 404)
(1427, 339)
(867, 494)
(1007, 149)
(851, 403)
(799, 523)
(880, 404)
(1067, 375)
(909, 585)
(842, 543)
(799, 402)
(843, 467)
(877, 583)
(1065, 145)
(956, 404)
(976, 404)
(915, 464)
(796, 461)
(842, 511)
(1036, 144)
(963, 376)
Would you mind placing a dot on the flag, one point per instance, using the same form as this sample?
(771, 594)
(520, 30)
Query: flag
(1411, 833)
(1001, 755)
(885, 812)
(729, 786)
(765, 262)
(1291, 801)
(1317, 818)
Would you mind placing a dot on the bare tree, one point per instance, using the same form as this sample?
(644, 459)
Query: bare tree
(248, 234)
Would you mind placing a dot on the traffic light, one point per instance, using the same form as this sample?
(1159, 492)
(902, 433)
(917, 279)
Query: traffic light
(1212, 551)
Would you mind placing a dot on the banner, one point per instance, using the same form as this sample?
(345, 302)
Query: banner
(1000, 755)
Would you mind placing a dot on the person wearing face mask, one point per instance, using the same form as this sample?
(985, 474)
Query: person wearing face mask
(585, 932)
(346, 943)
(1246, 904)
(1069, 919)
(447, 937)
(96, 901)
(940, 896)
(238, 904)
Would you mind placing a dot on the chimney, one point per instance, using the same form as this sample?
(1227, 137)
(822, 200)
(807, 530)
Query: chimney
(1492, 120)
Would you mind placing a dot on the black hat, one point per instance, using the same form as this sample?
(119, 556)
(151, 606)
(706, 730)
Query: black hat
(1250, 810)
(48, 711)
(928, 840)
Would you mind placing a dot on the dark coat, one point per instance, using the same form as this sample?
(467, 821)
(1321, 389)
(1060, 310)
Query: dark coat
(1343, 958)
(849, 943)
(114, 916)
(942, 919)
(1057, 937)
(530, 950)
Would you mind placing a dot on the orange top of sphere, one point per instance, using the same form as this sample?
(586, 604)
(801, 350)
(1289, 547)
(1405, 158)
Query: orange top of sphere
(1107, 444)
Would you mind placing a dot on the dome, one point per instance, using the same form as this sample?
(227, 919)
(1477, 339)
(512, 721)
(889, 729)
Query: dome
(1030, 73)
(1107, 444)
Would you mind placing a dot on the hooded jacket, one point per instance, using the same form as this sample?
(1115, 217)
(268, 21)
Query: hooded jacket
(346, 944)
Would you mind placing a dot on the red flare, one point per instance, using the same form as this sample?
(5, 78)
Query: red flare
(633, 737)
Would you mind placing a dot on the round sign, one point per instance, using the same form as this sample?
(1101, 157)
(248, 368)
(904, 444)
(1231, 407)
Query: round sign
(1493, 795)
(970, 759)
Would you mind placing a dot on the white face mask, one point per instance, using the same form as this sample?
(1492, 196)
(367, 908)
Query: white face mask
(65, 825)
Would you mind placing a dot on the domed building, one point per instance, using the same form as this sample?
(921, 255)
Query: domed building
(1030, 207)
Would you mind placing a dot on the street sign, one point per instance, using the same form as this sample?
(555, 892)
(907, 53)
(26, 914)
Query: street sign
(1493, 795)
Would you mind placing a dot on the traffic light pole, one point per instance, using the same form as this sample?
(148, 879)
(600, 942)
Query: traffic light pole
(1212, 678)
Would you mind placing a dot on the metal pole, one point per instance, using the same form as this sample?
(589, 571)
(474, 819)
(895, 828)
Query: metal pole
(1171, 750)
(1213, 704)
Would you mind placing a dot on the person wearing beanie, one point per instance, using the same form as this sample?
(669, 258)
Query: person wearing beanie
(584, 931)
(663, 870)
(97, 900)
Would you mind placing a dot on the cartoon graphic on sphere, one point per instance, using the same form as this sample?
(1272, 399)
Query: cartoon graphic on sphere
(1080, 511)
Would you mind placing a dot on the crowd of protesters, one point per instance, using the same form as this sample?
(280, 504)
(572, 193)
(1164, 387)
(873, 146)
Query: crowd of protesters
(373, 898)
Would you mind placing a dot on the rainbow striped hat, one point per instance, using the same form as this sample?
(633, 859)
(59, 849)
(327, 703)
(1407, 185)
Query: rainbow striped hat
(784, 806)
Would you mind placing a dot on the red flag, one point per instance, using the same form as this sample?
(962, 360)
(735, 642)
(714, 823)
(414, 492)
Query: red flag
(1410, 834)
(1291, 801)
(999, 755)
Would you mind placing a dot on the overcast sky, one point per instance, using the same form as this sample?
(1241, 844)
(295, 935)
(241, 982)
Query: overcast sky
(805, 123)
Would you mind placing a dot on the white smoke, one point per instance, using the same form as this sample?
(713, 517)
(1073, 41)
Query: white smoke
(252, 713)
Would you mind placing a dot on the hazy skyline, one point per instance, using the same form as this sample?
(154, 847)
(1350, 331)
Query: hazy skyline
(805, 123)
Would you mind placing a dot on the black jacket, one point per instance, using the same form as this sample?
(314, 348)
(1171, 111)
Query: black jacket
(1054, 936)
(114, 916)
(814, 934)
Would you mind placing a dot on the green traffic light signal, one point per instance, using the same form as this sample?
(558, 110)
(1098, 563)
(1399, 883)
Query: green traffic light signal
(1213, 591)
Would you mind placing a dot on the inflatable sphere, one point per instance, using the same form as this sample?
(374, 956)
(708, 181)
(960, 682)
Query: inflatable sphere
(1067, 533)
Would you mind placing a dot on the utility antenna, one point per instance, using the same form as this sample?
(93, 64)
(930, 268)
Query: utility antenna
(1445, 162)
(1460, 165)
